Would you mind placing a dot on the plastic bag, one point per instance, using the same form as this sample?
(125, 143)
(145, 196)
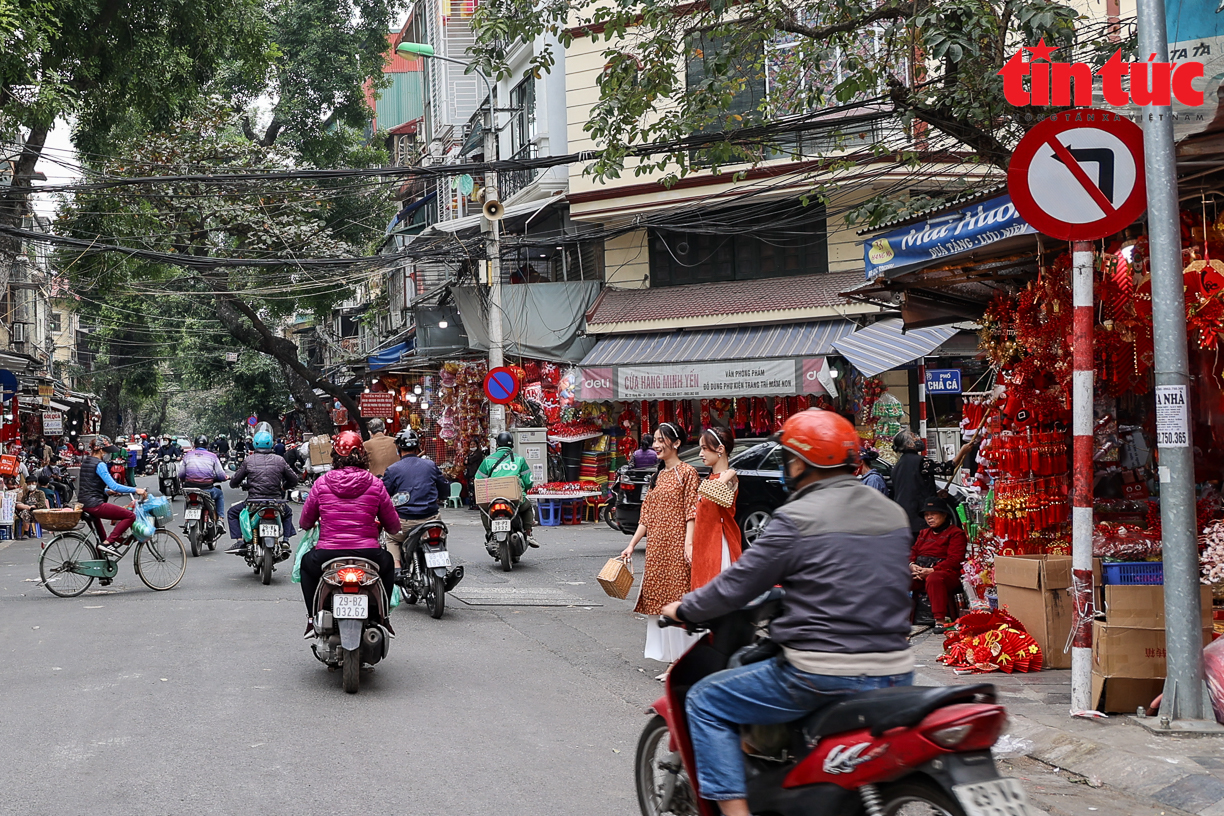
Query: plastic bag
(309, 539)
(396, 597)
(158, 507)
(247, 523)
(145, 526)
(1213, 670)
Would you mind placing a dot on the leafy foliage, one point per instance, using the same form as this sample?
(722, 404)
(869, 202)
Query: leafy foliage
(926, 66)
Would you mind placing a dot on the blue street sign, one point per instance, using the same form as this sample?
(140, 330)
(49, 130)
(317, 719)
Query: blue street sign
(943, 381)
(8, 385)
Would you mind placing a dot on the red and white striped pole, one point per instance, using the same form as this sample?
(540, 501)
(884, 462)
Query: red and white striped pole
(1081, 469)
(922, 400)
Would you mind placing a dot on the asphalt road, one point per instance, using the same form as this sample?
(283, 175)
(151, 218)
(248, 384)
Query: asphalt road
(205, 699)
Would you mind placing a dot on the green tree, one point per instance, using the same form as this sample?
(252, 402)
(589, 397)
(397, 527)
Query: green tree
(209, 223)
(756, 65)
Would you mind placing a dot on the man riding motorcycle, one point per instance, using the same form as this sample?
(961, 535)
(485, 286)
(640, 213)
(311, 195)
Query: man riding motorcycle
(420, 480)
(840, 550)
(503, 462)
(220, 445)
(267, 477)
(200, 468)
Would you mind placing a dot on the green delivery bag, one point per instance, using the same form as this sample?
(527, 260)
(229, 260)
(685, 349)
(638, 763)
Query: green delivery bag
(309, 539)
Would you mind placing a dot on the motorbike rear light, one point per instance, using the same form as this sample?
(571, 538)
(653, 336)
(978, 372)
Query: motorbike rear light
(269, 513)
(500, 508)
(966, 727)
(434, 534)
(351, 575)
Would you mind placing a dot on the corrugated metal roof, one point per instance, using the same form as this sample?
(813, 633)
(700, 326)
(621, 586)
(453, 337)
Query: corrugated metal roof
(886, 344)
(742, 343)
(962, 199)
(402, 101)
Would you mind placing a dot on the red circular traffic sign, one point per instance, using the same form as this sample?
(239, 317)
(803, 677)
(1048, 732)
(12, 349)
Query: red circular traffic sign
(1078, 175)
(501, 385)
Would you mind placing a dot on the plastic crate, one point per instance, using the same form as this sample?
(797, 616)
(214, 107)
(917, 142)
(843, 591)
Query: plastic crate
(1135, 572)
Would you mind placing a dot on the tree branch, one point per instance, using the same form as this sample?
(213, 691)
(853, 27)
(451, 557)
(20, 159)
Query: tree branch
(889, 11)
(944, 120)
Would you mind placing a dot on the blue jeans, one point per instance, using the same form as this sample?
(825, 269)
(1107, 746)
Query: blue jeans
(219, 500)
(765, 693)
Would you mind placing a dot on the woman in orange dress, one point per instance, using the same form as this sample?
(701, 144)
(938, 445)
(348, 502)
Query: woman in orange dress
(716, 534)
(668, 513)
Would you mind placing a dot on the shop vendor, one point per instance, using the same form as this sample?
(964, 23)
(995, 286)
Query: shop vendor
(936, 560)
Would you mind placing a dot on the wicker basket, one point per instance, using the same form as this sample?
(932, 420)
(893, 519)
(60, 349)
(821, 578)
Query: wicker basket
(717, 491)
(58, 519)
(616, 577)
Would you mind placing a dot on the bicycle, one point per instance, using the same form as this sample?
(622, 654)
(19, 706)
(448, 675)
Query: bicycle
(70, 561)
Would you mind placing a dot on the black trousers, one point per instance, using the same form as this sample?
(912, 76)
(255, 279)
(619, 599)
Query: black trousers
(313, 561)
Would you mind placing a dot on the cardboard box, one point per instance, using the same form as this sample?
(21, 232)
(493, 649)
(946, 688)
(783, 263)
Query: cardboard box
(1123, 695)
(320, 450)
(499, 487)
(1035, 589)
(1127, 651)
(1142, 607)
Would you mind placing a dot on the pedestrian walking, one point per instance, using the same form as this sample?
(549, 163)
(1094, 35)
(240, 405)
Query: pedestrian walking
(668, 514)
(380, 449)
(911, 487)
(717, 543)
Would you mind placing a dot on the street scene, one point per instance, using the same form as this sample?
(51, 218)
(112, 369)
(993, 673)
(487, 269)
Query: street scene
(764, 408)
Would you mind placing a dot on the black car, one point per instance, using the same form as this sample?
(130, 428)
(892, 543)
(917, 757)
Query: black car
(759, 468)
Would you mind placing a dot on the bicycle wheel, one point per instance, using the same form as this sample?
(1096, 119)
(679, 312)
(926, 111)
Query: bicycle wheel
(57, 563)
(161, 561)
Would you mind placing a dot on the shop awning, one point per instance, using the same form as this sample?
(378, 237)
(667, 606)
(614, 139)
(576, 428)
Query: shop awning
(885, 345)
(388, 356)
(743, 343)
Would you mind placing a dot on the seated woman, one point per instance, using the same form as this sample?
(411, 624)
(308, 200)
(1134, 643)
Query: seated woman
(936, 559)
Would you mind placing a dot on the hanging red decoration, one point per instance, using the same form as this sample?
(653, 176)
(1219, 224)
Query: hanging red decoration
(705, 414)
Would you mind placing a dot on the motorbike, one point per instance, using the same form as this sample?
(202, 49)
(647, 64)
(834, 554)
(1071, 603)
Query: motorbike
(168, 483)
(201, 524)
(880, 753)
(505, 540)
(268, 546)
(348, 609)
(427, 574)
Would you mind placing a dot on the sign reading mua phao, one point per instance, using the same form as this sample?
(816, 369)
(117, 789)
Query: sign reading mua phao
(969, 228)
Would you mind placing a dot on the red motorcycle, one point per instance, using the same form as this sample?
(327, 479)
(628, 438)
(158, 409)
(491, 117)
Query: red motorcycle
(905, 751)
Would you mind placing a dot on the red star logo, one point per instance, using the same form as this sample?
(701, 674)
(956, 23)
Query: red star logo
(1041, 51)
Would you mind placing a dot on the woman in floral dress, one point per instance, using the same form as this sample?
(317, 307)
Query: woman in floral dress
(716, 534)
(668, 513)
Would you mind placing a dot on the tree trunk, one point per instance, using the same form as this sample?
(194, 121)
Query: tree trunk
(246, 327)
(111, 409)
(159, 419)
(14, 205)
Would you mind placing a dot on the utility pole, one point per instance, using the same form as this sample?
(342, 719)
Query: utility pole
(497, 413)
(1183, 691)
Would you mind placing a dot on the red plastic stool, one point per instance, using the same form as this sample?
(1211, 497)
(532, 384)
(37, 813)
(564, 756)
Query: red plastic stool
(571, 512)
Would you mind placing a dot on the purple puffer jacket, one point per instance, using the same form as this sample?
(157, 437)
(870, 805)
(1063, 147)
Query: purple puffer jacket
(350, 504)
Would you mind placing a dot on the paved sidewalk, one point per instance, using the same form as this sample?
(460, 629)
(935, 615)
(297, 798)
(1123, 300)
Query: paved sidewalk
(1186, 773)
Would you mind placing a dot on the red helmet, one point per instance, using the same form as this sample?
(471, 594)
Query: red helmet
(821, 438)
(346, 442)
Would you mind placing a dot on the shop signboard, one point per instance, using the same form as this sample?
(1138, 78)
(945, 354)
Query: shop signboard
(943, 381)
(1196, 33)
(52, 423)
(969, 228)
(46, 390)
(713, 380)
(379, 404)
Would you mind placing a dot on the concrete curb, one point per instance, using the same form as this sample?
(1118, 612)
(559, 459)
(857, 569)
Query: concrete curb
(1175, 781)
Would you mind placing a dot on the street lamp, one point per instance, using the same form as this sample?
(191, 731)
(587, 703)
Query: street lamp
(497, 413)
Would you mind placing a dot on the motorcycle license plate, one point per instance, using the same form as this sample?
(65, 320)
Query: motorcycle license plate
(437, 559)
(998, 797)
(269, 531)
(350, 606)
(193, 513)
(501, 525)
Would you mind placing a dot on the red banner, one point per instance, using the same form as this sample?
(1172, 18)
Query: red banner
(379, 404)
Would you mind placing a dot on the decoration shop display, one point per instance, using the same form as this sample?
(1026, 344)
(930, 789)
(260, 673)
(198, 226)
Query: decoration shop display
(561, 487)
(985, 641)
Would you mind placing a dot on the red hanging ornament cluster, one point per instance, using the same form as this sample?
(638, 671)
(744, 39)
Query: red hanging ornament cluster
(988, 641)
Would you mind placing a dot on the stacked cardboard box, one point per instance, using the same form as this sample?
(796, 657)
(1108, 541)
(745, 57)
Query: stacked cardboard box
(1128, 647)
(1036, 590)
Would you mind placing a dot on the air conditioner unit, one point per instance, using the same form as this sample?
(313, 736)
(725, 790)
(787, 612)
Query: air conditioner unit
(19, 332)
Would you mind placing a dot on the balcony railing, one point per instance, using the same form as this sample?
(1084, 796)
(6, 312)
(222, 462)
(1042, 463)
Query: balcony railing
(513, 181)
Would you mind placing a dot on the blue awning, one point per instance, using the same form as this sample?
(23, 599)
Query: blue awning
(885, 344)
(389, 356)
(742, 343)
(404, 216)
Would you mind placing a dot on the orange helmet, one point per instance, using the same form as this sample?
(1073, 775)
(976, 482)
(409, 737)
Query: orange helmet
(821, 438)
(346, 442)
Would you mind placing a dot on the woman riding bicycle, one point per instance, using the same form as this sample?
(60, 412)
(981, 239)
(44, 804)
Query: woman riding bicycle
(349, 503)
(94, 482)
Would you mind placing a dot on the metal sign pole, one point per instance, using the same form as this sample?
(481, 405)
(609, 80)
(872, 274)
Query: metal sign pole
(1183, 692)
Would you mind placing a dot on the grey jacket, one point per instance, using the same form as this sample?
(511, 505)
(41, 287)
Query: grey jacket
(267, 476)
(840, 550)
